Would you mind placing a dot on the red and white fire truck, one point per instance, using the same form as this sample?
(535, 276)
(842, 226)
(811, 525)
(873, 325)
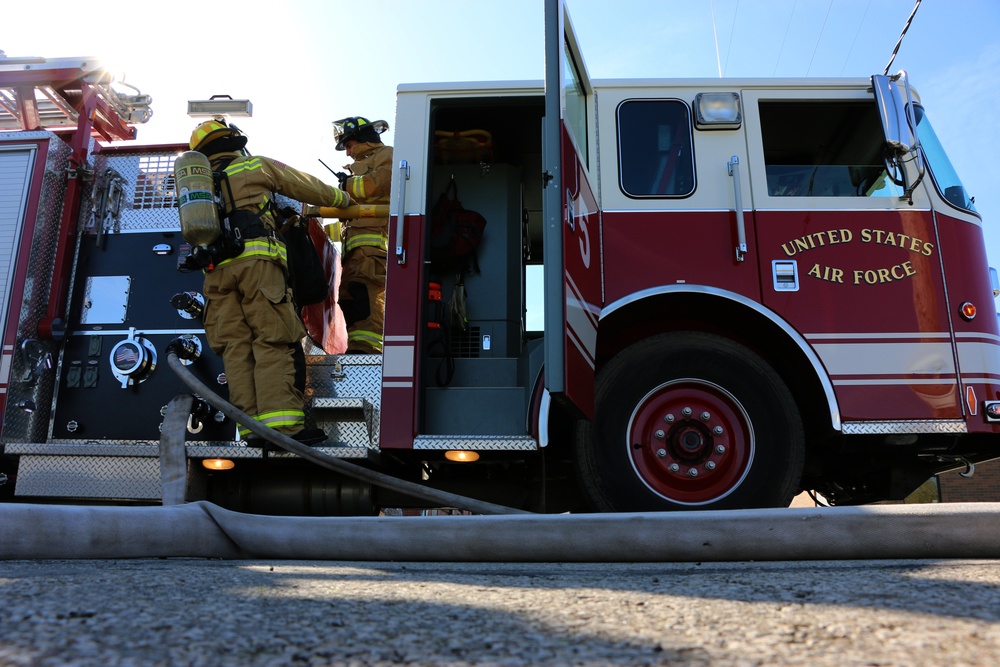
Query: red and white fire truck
(690, 294)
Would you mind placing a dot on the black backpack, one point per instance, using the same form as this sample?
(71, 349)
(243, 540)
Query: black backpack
(305, 266)
(306, 275)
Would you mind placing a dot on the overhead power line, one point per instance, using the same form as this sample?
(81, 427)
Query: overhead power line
(783, 38)
(819, 37)
(732, 31)
(857, 32)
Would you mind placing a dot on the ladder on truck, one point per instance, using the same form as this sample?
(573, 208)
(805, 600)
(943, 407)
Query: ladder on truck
(52, 93)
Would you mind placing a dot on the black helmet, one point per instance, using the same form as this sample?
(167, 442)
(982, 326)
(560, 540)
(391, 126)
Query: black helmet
(356, 127)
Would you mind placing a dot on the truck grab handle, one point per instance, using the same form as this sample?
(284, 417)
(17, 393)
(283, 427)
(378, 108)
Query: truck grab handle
(404, 176)
(741, 230)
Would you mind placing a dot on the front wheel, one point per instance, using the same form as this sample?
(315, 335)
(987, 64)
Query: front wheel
(691, 421)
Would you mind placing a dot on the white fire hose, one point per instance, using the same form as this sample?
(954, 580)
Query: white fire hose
(204, 530)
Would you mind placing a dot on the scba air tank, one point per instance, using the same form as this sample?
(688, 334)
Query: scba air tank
(196, 198)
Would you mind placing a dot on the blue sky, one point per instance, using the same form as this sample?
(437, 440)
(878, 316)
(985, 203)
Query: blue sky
(305, 63)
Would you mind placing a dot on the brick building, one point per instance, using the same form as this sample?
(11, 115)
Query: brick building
(983, 486)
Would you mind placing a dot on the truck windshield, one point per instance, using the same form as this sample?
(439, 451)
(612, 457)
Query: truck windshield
(943, 174)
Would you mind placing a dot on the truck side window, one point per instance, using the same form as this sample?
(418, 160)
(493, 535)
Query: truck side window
(655, 156)
(576, 105)
(825, 148)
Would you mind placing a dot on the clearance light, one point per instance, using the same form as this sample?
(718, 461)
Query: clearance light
(461, 455)
(968, 311)
(717, 111)
(218, 464)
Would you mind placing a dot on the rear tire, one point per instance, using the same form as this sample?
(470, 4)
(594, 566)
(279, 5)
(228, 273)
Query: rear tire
(690, 421)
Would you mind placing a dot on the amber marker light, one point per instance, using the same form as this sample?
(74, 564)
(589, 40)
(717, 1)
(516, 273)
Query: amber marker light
(461, 455)
(218, 464)
(968, 311)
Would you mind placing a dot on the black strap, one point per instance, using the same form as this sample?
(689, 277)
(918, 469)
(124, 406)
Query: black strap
(452, 190)
(221, 177)
(245, 224)
(446, 369)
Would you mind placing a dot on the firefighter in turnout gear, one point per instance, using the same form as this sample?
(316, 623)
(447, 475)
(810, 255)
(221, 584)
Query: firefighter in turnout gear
(250, 319)
(365, 240)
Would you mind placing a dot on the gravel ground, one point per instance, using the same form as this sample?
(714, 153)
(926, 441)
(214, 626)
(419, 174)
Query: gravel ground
(201, 612)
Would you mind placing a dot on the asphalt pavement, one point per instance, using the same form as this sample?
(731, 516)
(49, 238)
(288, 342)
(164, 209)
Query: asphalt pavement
(194, 612)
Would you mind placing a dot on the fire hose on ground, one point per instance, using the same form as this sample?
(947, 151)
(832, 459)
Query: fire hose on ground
(204, 530)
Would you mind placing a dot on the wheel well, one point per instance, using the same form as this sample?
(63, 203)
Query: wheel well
(717, 314)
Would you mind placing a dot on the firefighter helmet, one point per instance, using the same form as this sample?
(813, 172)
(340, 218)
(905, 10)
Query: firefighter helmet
(358, 128)
(215, 136)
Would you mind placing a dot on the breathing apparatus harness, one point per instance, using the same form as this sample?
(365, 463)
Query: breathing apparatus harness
(237, 226)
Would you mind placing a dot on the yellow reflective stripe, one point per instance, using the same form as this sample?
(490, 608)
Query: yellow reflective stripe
(356, 186)
(260, 248)
(279, 413)
(341, 200)
(275, 419)
(281, 418)
(375, 339)
(246, 165)
(374, 240)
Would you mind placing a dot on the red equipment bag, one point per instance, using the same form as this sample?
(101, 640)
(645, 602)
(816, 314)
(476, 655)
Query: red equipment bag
(455, 233)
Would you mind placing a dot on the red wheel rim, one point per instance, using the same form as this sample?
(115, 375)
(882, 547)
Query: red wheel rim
(690, 442)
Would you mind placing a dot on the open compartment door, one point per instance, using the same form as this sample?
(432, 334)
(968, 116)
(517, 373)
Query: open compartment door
(572, 218)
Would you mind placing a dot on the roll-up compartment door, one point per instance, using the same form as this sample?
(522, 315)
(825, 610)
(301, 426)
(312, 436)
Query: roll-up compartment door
(15, 180)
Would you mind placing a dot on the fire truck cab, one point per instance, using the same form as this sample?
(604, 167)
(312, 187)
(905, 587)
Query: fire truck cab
(689, 294)
(750, 287)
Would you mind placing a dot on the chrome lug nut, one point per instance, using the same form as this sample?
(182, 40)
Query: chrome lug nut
(673, 467)
(662, 453)
(687, 412)
(692, 472)
(660, 434)
(705, 416)
(718, 430)
(669, 418)
(710, 465)
(720, 449)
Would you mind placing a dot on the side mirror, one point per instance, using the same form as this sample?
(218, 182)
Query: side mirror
(892, 111)
(900, 130)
